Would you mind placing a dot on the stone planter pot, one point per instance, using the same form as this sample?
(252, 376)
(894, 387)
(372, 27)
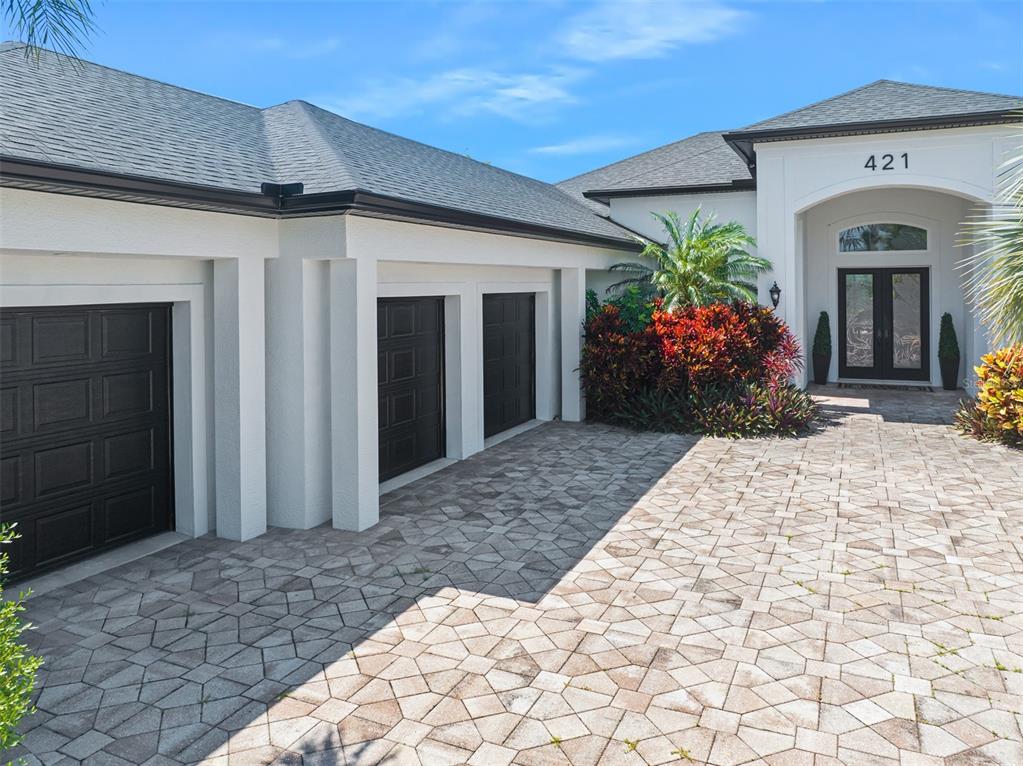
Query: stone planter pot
(949, 373)
(821, 364)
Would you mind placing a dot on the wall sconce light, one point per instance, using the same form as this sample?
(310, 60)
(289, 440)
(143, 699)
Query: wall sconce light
(775, 294)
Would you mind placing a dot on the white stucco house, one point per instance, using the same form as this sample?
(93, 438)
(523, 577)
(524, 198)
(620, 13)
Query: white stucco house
(215, 317)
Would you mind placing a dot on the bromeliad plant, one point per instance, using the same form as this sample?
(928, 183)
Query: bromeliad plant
(17, 666)
(701, 263)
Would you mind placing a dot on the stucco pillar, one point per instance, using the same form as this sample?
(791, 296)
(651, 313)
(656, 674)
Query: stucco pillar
(573, 312)
(298, 407)
(353, 393)
(239, 363)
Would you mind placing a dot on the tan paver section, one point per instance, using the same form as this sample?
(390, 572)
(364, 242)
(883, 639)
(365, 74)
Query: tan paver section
(582, 595)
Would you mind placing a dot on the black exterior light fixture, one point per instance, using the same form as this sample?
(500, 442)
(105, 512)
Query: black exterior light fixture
(775, 292)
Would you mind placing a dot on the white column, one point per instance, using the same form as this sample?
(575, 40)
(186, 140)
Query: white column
(573, 312)
(353, 375)
(298, 407)
(239, 363)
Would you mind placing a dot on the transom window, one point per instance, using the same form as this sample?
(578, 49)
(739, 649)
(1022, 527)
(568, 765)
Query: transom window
(881, 237)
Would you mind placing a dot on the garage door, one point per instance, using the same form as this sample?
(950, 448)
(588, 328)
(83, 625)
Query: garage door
(509, 361)
(410, 370)
(84, 423)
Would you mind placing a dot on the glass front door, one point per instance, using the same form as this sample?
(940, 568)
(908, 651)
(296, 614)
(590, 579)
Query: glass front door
(882, 324)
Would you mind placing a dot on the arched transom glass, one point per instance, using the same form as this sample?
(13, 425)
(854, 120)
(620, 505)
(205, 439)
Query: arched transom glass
(881, 237)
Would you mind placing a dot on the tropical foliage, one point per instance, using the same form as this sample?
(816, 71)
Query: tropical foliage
(17, 666)
(721, 369)
(701, 263)
(997, 412)
(62, 25)
(996, 281)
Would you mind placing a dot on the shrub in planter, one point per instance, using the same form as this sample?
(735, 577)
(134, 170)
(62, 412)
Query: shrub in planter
(822, 350)
(997, 412)
(17, 666)
(948, 354)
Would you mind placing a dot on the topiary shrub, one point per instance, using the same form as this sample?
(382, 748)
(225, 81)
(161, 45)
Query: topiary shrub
(948, 345)
(996, 414)
(719, 369)
(822, 338)
(17, 666)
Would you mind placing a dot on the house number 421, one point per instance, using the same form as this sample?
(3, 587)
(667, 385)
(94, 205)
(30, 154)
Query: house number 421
(887, 162)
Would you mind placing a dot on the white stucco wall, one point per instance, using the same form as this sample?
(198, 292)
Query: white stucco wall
(66, 250)
(795, 176)
(940, 214)
(321, 335)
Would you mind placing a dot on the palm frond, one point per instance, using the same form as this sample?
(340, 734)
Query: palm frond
(62, 25)
(995, 269)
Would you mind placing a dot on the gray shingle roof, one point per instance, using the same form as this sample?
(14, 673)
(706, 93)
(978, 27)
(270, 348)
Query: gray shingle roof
(92, 117)
(888, 100)
(700, 160)
(707, 159)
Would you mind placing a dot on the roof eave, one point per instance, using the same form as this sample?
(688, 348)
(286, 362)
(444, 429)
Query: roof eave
(602, 195)
(56, 178)
(742, 141)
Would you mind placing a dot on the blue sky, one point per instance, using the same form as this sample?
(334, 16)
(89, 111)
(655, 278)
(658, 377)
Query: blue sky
(552, 89)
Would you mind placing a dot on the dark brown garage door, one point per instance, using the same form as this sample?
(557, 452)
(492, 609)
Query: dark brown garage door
(509, 361)
(410, 369)
(84, 423)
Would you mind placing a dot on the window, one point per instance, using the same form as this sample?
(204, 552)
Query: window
(879, 237)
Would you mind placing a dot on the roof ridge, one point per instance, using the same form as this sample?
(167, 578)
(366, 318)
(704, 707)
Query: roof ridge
(813, 104)
(338, 152)
(948, 88)
(13, 45)
(643, 153)
(431, 147)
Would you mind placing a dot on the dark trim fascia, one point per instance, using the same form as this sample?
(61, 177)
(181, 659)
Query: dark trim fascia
(167, 191)
(601, 195)
(384, 206)
(742, 140)
(71, 180)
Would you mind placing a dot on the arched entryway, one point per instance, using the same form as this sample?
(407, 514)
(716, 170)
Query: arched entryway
(884, 264)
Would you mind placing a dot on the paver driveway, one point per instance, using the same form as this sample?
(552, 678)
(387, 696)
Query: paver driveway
(582, 594)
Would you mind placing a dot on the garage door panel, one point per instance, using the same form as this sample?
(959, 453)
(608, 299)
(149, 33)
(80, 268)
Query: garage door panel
(61, 339)
(59, 536)
(126, 335)
(123, 515)
(10, 411)
(86, 447)
(410, 383)
(64, 468)
(62, 404)
(128, 453)
(509, 366)
(128, 393)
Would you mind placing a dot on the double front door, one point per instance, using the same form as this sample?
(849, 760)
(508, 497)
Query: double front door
(882, 324)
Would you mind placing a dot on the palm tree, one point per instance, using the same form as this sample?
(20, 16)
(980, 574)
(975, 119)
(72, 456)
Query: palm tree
(62, 25)
(996, 283)
(701, 263)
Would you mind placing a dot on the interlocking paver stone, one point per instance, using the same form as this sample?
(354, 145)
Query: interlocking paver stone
(583, 594)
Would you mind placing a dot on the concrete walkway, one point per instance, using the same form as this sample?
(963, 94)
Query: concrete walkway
(579, 595)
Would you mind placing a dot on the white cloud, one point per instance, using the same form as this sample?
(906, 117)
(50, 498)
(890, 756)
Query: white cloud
(584, 145)
(645, 29)
(462, 93)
